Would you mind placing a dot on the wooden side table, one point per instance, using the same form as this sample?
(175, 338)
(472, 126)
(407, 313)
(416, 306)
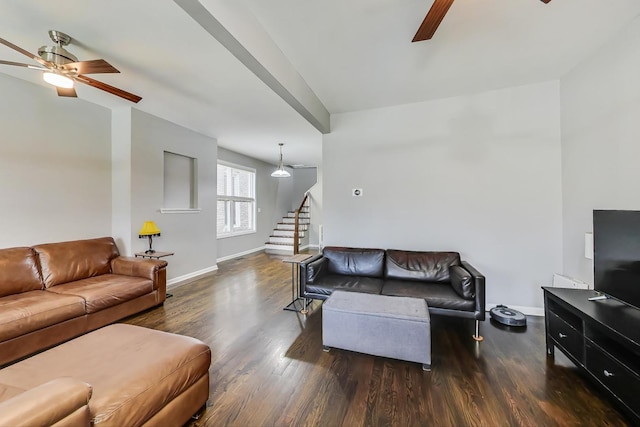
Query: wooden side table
(154, 255)
(295, 261)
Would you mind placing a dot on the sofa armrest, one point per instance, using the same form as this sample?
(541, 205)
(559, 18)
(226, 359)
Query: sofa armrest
(311, 269)
(152, 269)
(63, 400)
(479, 284)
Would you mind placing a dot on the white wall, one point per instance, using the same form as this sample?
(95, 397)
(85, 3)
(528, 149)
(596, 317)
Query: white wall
(476, 174)
(600, 101)
(55, 166)
(266, 194)
(316, 208)
(121, 202)
(192, 236)
(284, 196)
(303, 180)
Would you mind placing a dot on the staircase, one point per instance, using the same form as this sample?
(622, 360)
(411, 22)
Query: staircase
(282, 239)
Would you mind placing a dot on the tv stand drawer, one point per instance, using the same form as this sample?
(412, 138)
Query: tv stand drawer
(602, 338)
(621, 382)
(567, 338)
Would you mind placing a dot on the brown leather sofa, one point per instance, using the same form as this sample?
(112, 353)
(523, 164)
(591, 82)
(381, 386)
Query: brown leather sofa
(50, 293)
(450, 286)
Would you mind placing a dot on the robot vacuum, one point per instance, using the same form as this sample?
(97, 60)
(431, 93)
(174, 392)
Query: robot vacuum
(507, 316)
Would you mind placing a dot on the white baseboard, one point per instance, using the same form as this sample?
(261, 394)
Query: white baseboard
(530, 311)
(238, 255)
(188, 278)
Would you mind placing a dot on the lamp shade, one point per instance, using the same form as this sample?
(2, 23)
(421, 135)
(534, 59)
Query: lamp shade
(280, 173)
(149, 228)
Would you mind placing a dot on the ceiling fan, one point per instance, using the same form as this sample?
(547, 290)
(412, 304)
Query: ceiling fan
(434, 17)
(62, 69)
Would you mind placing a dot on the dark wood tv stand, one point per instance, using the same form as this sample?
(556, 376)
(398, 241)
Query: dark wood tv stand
(600, 337)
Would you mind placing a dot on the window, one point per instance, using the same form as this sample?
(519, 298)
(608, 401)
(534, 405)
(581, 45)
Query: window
(236, 200)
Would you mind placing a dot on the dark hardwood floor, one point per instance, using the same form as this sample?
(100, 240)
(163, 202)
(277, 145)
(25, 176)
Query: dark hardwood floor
(268, 367)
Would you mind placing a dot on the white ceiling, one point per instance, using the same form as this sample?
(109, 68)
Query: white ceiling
(353, 54)
(357, 54)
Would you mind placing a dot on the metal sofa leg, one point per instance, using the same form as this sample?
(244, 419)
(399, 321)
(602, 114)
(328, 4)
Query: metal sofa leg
(306, 302)
(477, 336)
(199, 413)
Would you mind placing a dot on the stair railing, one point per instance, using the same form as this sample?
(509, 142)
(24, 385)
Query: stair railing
(296, 227)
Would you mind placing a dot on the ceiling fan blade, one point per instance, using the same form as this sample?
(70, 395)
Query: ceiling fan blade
(545, 1)
(26, 53)
(94, 66)
(63, 91)
(107, 88)
(20, 64)
(433, 19)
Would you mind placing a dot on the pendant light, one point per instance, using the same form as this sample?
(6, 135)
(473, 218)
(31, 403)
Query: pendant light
(281, 172)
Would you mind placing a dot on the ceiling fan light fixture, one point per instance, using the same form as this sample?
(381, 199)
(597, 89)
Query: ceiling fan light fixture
(57, 80)
(281, 172)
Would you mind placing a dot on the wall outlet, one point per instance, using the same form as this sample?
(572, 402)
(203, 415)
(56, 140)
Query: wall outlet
(356, 192)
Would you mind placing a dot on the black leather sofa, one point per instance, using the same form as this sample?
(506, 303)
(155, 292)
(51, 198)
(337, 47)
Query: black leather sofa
(450, 286)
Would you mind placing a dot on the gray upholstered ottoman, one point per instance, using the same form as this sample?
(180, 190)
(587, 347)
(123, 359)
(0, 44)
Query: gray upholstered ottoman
(395, 327)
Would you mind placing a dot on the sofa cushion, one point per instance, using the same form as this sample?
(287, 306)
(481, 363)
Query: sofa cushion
(355, 261)
(61, 262)
(422, 266)
(19, 271)
(105, 291)
(462, 282)
(31, 311)
(332, 282)
(437, 295)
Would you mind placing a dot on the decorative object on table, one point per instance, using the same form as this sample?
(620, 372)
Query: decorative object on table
(281, 172)
(149, 229)
(507, 316)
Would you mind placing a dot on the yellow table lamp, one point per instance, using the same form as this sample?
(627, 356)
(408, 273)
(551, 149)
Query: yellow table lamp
(149, 229)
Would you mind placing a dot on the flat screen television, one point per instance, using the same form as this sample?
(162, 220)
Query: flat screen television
(616, 254)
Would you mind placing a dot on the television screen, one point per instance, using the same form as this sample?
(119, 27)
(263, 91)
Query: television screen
(616, 254)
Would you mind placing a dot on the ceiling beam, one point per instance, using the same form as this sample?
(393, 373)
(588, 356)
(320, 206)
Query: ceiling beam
(288, 84)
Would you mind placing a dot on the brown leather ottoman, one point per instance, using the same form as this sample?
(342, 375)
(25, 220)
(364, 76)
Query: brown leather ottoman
(139, 376)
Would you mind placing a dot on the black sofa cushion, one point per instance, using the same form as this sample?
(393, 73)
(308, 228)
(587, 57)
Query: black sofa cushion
(437, 295)
(421, 266)
(462, 282)
(334, 282)
(354, 261)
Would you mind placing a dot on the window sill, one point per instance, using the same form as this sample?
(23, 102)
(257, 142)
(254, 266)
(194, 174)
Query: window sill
(239, 233)
(178, 211)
